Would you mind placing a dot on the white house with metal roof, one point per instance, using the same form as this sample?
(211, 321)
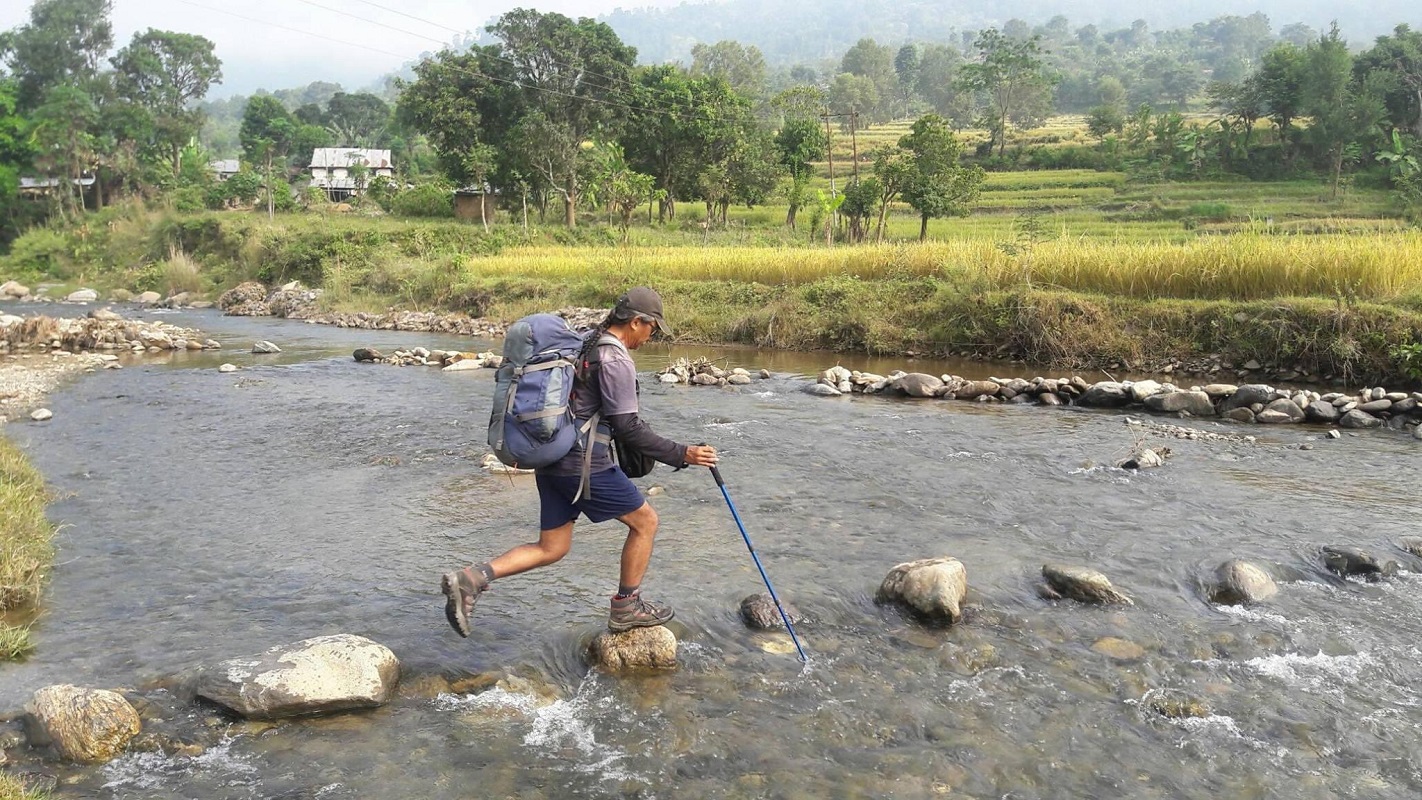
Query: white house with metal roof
(331, 169)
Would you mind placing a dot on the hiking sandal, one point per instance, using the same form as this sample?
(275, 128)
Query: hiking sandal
(461, 590)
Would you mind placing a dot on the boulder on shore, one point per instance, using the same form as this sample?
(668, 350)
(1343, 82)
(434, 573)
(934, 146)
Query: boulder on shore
(315, 676)
(934, 587)
(1241, 582)
(87, 725)
(14, 289)
(639, 649)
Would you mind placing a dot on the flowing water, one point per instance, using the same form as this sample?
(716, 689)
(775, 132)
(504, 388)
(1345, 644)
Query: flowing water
(208, 516)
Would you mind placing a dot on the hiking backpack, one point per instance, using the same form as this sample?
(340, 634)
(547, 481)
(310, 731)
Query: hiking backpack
(532, 424)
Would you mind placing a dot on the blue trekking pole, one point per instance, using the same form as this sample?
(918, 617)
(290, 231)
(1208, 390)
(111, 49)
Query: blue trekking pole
(716, 473)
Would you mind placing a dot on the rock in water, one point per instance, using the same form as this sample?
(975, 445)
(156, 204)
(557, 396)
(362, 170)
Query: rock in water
(1082, 584)
(324, 674)
(759, 613)
(1241, 582)
(364, 354)
(91, 725)
(1352, 561)
(823, 390)
(1147, 458)
(638, 649)
(918, 384)
(41, 415)
(1119, 649)
(265, 347)
(934, 587)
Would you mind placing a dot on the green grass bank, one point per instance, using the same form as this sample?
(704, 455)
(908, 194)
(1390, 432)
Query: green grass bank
(1333, 305)
(26, 545)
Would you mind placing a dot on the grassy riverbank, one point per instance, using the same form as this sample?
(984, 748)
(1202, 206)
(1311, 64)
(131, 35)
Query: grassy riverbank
(1326, 302)
(26, 549)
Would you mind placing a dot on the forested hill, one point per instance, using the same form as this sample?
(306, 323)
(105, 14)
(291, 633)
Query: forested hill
(797, 32)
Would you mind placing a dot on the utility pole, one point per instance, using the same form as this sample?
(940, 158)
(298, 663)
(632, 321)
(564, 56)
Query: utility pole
(829, 150)
(854, 141)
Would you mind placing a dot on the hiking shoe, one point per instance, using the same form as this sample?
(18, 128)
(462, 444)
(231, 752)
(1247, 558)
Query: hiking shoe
(461, 589)
(634, 612)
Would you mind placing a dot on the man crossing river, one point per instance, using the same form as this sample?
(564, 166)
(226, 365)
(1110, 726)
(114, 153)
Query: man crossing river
(587, 482)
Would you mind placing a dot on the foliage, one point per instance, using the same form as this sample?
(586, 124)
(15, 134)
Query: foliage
(26, 552)
(432, 200)
(163, 73)
(1012, 78)
(937, 184)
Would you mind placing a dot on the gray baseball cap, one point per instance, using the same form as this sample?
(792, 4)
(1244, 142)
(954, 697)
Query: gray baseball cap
(644, 301)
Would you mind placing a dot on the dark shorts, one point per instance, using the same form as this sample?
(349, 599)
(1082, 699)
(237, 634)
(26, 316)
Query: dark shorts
(612, 495)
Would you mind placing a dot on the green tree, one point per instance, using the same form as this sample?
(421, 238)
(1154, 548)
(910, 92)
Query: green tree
(166, 74)
(893, 169)
(938, 185)
(1397, 59)
(1104, 120)
(357, 120)
(860, 199)
(741, 67)
(1281, 79)
(269, 134)
(555, 59)
(1344, 113)
(64, 144)
(460, 101)
(63, 45)
(938, 84)
(798, 143)
(853, 93)
(16, 155)
(870, 60)
(906, 67)
(620, 186)
(1012, 78)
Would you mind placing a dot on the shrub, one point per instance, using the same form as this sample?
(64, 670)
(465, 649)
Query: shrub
(41, 252)
(431, 200)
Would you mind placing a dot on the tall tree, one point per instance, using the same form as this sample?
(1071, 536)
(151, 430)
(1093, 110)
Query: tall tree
(798, 143)
(269, 134)
(1013, 79)
(938, 83)
(357, 120)
(65, 145)
(938, 185)
(460, 101)
(1398, 61)
(63, 45)
(1343, 112)
(742, 67)
(1281, 84)
(166, 73)
(573, 76)
(875, 62)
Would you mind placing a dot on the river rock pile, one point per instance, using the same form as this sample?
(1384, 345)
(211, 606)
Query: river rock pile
(251, 299)
(449, 360)
(101, 330)
(702, 372)
(1249, 403)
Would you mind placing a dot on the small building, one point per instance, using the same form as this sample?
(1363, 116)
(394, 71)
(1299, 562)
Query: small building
(223, 169)
(469, 200)
(331, 170)
(39, 188)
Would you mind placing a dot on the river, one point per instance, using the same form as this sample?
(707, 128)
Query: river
(207, 516)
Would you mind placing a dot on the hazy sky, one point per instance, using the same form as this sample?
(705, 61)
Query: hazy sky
(260, 55)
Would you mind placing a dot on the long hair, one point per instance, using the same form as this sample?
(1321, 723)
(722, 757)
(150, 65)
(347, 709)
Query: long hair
(591, 340)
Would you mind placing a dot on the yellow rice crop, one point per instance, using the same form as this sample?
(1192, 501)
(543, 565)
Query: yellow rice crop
(1245, 267)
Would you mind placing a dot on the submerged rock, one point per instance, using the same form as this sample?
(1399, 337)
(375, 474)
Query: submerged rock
(314, 676)
(1147, 458)
(823, 390)
(635, 650)
(759, 613)
(265, 347)
(88, 725)
(1081, 584)
(1348, 561)
(1242, 582)
(934, 587)
(1118, 649)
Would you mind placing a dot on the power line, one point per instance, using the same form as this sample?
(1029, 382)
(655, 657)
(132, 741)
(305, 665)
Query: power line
(412, 16)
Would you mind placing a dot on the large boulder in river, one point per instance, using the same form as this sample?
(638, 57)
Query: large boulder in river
(1360, 420)
(315, 676)
(1347, 562)
(972, 390)
(1080, 584)
(758, 611)
(1140, 390)
(1246, 396)
(1196, 404)
(1238, 582)
(1319, 411)
(637, 650)
(1106, 394)
(83, 296)
(934, 587)
(89, 725)
(14, 289)
(919, 384)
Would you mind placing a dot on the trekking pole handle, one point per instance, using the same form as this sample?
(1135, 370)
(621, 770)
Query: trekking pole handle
(715, 473)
